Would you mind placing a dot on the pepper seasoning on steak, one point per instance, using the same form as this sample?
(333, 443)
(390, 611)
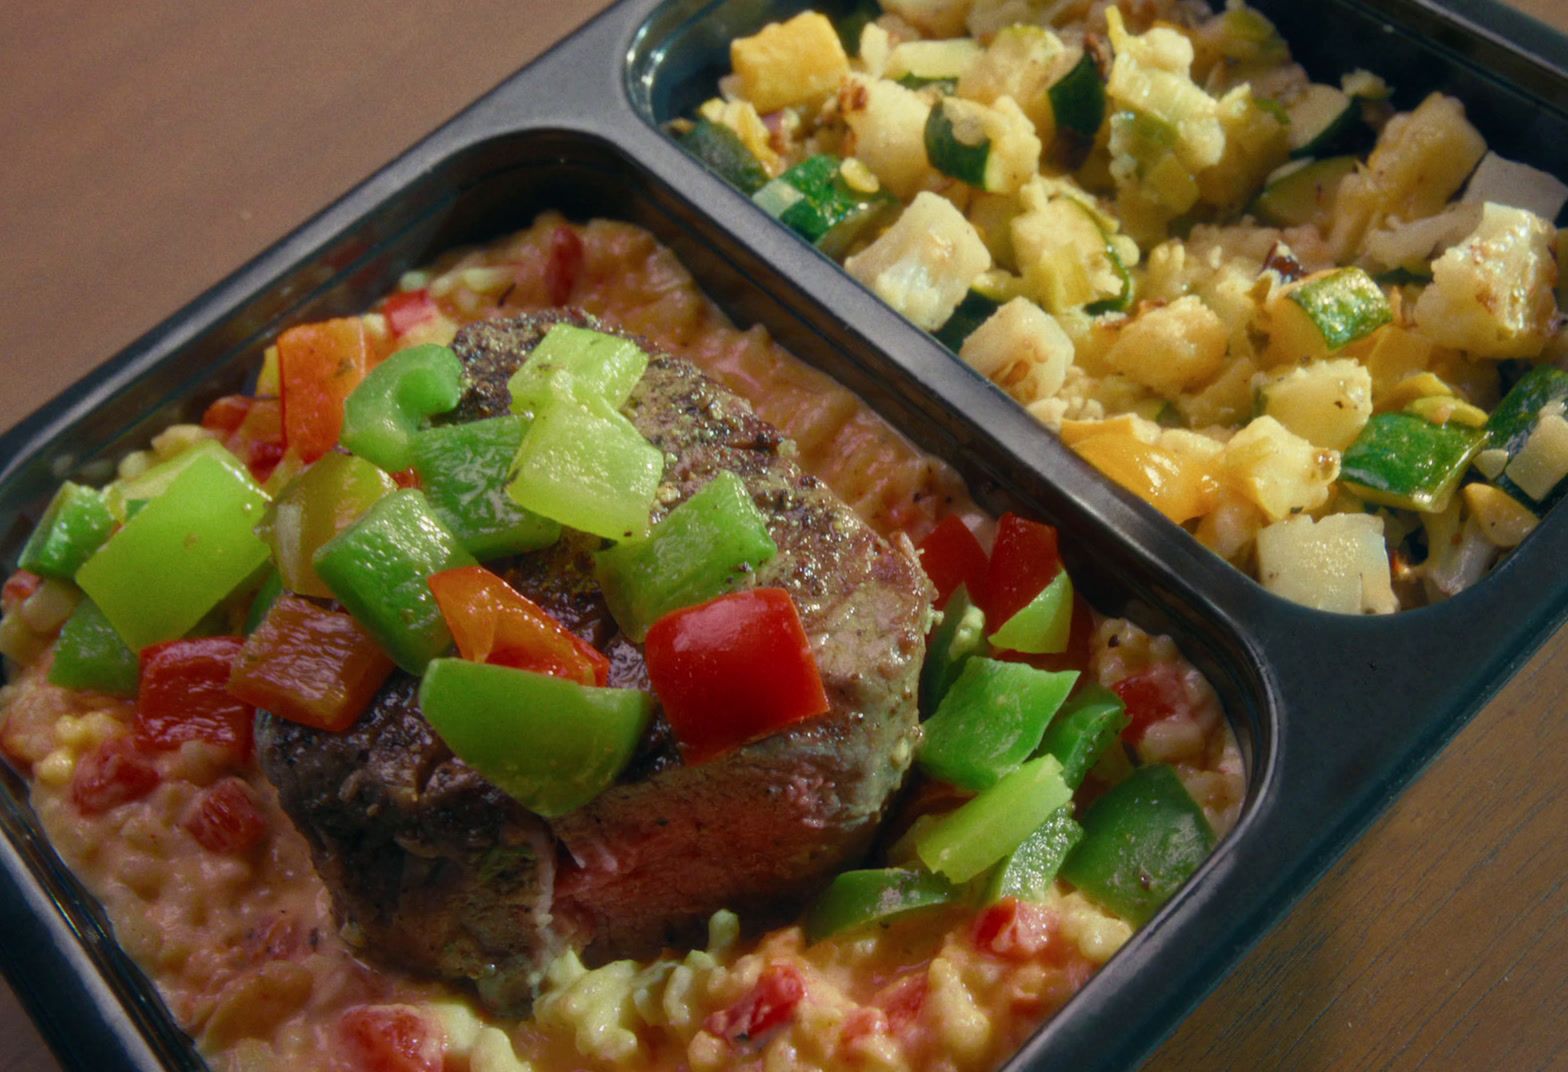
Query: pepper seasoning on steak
(436, 870)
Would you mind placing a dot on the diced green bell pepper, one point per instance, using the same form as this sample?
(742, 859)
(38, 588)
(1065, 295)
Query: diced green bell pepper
(585, 465)
(578, 362)
(721, 149)
(379, 569)
(1087, 725)
(91, 655)
(1029, 870)
(180, 555)
(75, 524)
(1142, 840)
(813, 200)
(961, 635)
(463, 470)
(1044, 624)
(392, 402)
(970, 840)
(314, 507)
(1403, 460)
(124, 496)
(705, 547)
(991, 720)
(549, 743)
(1515, 417)
(857, 898)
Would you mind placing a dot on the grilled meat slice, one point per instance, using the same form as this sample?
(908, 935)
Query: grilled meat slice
(444, 874)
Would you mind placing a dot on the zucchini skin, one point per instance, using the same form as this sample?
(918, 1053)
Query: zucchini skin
(974, 310)
(813, 200)
(966, 163)
(1078, 98)
(1510, 425)
(1403, 460)
(720, 148)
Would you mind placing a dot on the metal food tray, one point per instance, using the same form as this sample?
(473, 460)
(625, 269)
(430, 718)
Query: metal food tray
(1335, 714)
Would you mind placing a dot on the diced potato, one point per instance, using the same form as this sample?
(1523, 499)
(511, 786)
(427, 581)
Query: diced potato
(934, 18)
(1022, 349)
(1326, 403)
(1230, 527)
(887, 131)
(1491, 295)
(1420, 161)
(1255, 144)
(787, 63)
(1225, 402)
(1171, 347)
(932, 59)
(1279, 471)
(1021, 62)
(1338, 563)
(923, 264)
(1392, 354)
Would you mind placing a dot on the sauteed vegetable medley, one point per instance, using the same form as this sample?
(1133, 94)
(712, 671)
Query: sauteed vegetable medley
(1318, 331)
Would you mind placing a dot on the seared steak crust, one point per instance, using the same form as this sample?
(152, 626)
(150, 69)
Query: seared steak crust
(444, 874)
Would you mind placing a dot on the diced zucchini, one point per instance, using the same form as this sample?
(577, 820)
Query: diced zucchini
(1540, 394)
(1338, 563)
(1324, 121)
(814, 200)
(925, 262)
(991, 147)
(721, 149)
(974, 310)
(1402, 460)
(1078, 98)
(853, 23)
(1508, 182)
(1068, 260)
(1022, 349)
(1303, 194)
(1319, 315)
(924, 63)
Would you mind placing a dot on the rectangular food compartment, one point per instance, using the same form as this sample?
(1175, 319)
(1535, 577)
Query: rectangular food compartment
(354, 254)
(1512, 88)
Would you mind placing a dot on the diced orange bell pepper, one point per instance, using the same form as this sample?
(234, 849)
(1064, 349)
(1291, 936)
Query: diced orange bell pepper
(494, 623)
(309, 665)
(319, 365)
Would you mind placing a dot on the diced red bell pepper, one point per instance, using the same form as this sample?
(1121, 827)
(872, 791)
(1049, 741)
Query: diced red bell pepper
(408, 309)
(1024, 560)
(1015, 930)
(494, 623)
(18, 587)
(251, 429)
(226, 414)
(184, 696)
(951, 556)
(387, 1038)
(112, 774)
(565, 264)
(771, 1003)
(733, 669)
(319, 365)
(226, 819)
(1151, 696)
(310, 665)
(406, 478)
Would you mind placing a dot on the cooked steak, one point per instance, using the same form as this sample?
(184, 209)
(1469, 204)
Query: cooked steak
(442, 873)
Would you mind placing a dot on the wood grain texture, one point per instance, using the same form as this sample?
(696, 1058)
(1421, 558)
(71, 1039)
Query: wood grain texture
(152, 148)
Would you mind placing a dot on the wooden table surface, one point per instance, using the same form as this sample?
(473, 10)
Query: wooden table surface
(150, 148)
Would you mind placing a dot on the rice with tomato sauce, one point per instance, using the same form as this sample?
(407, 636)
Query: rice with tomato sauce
(210, 888)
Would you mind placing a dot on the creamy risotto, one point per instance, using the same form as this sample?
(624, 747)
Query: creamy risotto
(212, 889)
